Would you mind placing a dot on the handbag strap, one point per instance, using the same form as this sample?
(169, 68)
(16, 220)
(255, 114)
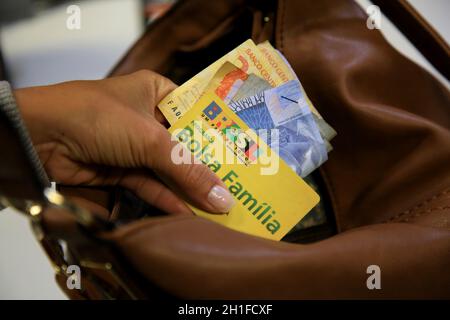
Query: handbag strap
(419, 32)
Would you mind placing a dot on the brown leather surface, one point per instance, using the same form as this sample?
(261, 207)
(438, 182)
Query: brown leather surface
(195, 258)
(388, 176)
(392, 151)
(179, 33)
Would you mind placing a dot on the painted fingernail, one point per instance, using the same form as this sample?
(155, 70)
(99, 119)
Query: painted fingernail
(220, 199)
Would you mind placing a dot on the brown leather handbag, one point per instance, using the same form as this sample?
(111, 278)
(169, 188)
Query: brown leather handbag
(386, 185)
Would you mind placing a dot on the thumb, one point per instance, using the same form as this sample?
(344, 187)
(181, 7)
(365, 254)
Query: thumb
(195, 182)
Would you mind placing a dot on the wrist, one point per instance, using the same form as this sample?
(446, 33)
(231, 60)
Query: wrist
(35, 114)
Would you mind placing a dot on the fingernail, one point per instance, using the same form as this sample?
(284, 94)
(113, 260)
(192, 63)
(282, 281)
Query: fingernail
(220, 199)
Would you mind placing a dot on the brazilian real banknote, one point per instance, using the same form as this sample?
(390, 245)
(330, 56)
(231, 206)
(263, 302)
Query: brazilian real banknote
(254, 85)
(296, 137)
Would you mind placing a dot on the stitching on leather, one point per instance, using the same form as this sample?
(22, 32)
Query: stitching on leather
(420, 205)
(441, 208)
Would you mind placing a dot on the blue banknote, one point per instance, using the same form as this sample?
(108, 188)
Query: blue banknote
(297, 138)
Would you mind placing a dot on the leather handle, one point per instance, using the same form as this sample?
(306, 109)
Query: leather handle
(421, 34)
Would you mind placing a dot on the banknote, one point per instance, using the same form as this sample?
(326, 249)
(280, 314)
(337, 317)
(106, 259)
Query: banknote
(276, 60)
(297, 138)
(250, 87)
(247, 57)
(254, 85)
(284, 70)
(232, 83)
(227, 81)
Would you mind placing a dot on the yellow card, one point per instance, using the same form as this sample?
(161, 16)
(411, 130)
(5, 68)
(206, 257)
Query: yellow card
(270, 198)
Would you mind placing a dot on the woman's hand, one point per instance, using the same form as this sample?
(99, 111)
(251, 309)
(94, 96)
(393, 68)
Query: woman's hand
(109, 132)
